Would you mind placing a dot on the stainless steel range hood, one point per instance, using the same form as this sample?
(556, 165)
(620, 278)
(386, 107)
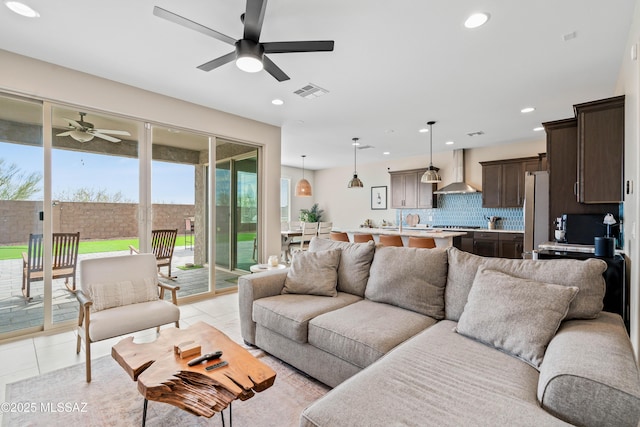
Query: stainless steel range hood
(459, 186)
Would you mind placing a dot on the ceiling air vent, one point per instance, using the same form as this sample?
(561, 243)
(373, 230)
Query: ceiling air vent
(311, 91)
(364, 147)
(478, 133)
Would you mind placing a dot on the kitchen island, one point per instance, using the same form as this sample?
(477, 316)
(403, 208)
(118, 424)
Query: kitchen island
(442, 238)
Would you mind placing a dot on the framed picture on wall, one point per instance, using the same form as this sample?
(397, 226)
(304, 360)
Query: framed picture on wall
(379, 197)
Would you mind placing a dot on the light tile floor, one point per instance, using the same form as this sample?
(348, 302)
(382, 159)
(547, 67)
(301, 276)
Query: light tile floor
(35, 356)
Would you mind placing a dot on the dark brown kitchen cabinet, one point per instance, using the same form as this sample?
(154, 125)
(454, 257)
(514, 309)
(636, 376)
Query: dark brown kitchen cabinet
(503, 181)
(486, 243)
(408, 192)
(600, 150)
(464, 243)
(511, 245)
(562, 164)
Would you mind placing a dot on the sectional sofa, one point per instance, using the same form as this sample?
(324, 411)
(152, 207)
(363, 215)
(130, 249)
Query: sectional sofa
(441, 337)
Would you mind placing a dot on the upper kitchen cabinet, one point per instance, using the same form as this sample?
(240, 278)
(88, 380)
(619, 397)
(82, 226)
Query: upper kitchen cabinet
(407, 192)
(503, 181)
(600, 150)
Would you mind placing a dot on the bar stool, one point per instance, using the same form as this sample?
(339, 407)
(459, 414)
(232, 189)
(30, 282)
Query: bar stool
(362, 238)
(387, 240)
(422, 242)
(339, 236)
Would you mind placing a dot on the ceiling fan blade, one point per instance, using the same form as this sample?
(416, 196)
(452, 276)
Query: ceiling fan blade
(253, 19)
(73, 123)
(215, 63)
(274, 70)
(67, 133)
(302, 46)
(112, 132)
(177, 19)
(103, 136)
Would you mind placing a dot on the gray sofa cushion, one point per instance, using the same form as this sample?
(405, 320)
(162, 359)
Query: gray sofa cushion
(313, 273)
(437, 378)
(363, 332)
(586, 275)
(589, 375)
(410, 278)
(289, 314)
(517, 316)
(355, 262)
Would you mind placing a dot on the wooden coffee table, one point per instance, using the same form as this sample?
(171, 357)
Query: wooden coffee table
(165, 377)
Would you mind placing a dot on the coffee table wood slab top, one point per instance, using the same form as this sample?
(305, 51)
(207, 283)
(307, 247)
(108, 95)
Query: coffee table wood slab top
(165, 377)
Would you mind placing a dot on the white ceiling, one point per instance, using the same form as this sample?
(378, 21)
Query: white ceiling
(396, 65)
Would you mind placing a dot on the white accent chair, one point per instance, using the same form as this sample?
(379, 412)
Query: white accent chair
(120, 295)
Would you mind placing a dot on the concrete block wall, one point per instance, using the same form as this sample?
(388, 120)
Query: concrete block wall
(93, 220)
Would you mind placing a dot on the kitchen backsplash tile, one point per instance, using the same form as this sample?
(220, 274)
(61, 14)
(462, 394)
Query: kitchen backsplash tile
(465, 209)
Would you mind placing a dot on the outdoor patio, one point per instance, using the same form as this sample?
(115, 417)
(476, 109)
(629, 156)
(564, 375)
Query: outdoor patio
(16, 313)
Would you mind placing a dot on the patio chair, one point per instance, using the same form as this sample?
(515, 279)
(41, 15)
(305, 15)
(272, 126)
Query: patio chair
(162, 244)
(65, 258)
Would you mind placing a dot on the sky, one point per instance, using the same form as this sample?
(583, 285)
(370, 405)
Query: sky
(171, 182)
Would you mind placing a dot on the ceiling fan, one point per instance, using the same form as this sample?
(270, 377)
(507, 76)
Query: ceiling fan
(83, 131)
(250, 52)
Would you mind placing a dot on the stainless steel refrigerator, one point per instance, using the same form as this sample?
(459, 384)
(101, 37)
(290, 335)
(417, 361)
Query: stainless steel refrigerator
(535, 210)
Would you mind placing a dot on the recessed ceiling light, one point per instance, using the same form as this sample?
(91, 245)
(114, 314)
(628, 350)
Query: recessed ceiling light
(449, 143)
(538, 129)
(476, 20)
(277, 101)
(423, 130)
(527, 110)
(386, 153)
(21, 9)
(355, 143)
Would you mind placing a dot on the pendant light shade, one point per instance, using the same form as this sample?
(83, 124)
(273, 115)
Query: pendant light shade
(355, 181)
(303, 188)
(431, 175)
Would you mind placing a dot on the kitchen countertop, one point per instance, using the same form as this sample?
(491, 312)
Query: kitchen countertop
(439, 230)
(568, 247)
(436, 233)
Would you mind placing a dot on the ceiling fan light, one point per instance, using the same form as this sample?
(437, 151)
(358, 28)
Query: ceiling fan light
(249, 56)
(22, 9)
(81, 136)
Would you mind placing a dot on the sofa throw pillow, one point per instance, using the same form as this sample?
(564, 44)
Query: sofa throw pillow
(109, 295)
(516, 316)
(313, 273)
(355, 262)
(410, 278)
(586, 275)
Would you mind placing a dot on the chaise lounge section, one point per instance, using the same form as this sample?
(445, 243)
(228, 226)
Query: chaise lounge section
(420, 337)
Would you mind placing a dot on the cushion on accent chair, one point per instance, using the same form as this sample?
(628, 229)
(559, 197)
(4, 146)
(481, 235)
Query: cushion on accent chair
(313, 273)
(109, 295)
(516, 316)
(410, 278)
(586, 275)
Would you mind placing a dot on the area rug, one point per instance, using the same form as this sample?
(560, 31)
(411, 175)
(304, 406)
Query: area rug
(63, 398)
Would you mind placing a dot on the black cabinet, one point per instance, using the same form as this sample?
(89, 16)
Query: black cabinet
(486, 243)
(511, 245)
(491, 244)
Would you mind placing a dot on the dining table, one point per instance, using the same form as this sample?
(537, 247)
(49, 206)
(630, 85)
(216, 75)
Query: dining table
(287, 240)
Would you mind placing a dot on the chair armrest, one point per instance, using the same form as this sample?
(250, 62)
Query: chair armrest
(252, 287)
(133, 250)
(25, 258)
(84, 300)
(589, 367)
(173, 288)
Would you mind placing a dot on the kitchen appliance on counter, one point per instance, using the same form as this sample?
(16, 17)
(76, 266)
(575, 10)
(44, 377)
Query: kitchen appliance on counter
(535, 210)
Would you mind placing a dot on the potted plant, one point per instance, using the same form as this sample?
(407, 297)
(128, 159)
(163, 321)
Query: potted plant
(311, 215)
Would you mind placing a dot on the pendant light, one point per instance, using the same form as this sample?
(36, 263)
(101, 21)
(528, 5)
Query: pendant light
(303, 188)
(355, 181)
(431, 175)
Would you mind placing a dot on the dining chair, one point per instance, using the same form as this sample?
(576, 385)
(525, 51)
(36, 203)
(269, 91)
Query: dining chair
(339, 236)
(362, 237)
(422, 242)
(388, 240)
(324, 230)
(309, 230)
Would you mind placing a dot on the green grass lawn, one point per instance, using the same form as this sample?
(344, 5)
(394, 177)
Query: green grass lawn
(15, 252)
